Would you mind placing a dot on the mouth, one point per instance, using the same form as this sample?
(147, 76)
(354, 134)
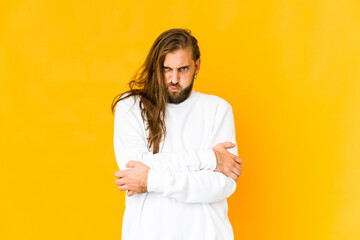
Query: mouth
(173, 89)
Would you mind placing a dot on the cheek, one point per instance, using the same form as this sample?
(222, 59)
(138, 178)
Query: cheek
(187, 78)
(167, 76)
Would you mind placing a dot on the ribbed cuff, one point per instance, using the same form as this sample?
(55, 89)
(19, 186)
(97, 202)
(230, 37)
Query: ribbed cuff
(155, 181)
(207, 159)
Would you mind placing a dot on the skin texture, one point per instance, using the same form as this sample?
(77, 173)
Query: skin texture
(179, 71)
(133, 180)
(227, 163)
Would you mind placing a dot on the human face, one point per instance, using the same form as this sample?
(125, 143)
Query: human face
(179, 70)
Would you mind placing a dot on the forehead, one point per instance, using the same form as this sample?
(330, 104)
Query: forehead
(180, 57)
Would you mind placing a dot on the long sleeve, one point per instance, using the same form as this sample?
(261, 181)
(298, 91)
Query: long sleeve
(130, 144)
(202, 186)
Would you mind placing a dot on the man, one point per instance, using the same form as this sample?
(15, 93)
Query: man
(175, 148)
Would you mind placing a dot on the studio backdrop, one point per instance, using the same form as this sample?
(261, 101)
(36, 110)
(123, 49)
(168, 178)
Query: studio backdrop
(290, 70)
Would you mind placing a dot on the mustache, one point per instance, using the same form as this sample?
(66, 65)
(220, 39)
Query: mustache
(174, 85)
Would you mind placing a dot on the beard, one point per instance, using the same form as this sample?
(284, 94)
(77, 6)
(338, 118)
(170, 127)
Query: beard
(181, 95)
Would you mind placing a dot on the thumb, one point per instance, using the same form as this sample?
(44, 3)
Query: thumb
(229, 144)
(130, 164)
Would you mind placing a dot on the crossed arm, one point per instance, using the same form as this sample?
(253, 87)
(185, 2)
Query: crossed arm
(192, 177)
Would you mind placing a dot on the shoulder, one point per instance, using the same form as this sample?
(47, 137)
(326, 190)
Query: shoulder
(212, 100)
(127, 104)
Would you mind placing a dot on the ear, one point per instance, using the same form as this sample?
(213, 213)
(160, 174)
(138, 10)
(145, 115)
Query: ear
(197, 66)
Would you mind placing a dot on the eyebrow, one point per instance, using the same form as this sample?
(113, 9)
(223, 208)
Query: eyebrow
(178, 67)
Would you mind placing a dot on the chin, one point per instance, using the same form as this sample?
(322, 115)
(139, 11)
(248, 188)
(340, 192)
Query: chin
(180, 96)
(176, 97)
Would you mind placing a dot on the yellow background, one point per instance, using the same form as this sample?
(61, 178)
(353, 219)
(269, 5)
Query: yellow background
(290, 69)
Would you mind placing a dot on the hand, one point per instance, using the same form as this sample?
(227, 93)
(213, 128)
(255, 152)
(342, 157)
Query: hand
(227, 163)
(133, 180)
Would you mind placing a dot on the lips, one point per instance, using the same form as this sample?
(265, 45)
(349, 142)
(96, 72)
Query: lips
(174, 89)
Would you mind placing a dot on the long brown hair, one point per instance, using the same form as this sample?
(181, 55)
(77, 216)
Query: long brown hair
(148, 83)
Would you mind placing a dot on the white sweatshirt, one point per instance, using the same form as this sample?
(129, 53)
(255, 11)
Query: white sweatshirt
(186, 199)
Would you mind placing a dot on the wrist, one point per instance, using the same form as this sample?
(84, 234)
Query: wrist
(145, 181)
(216, 154)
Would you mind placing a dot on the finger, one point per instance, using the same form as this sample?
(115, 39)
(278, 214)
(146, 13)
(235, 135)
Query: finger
(233, 176)
(238, 167)
(238, 160)
(119, 173)
(229, 145)
(237, 172)
(130, 193)
(123, 188)
(120, 182)
(130, 164)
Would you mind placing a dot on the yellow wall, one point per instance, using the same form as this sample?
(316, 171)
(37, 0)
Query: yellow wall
(290, 69)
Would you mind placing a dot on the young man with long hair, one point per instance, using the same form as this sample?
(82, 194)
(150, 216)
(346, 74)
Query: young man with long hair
(176, 148)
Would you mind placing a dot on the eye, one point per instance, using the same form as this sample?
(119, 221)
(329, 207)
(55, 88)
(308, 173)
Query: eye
(166, 69)
(183, 68)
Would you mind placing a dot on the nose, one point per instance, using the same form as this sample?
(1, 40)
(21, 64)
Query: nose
(175, 77)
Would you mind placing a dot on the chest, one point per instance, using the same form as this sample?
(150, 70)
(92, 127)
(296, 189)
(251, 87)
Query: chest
(188, 131)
